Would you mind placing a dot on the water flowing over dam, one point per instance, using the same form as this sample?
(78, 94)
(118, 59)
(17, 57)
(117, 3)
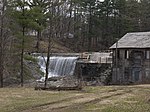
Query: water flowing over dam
(59, 66)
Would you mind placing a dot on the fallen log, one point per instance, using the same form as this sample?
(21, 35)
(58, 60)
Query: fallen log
(59, 88)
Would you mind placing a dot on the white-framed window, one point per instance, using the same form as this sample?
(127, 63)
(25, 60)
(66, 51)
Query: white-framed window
(147, 54)
(126, 54)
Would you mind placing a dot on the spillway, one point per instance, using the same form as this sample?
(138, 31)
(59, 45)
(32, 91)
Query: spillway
(59, 66)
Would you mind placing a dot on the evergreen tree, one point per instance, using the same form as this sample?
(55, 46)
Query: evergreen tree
(20, 15)
(133, 15)
(89, 7)
(144, 11)
(38, 14)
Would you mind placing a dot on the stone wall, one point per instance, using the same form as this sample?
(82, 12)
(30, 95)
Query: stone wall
(94, 72)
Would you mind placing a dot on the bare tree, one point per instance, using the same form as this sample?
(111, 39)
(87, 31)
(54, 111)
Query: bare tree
(2, 47)
(50, 35)
(5, 41)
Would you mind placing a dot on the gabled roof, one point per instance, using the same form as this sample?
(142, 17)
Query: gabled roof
(134, 40)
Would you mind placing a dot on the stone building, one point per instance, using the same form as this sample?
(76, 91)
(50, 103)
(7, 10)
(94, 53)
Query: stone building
(131, 59)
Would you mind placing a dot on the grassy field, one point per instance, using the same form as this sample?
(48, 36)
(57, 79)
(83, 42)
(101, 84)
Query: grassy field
(91, 99)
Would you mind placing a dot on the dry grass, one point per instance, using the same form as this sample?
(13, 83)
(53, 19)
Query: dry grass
(91, 99)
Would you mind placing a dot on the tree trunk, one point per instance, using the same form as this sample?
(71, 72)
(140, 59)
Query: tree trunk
(22, 50)
(1, 67)
(1, 54)
(38, 40)
(22, 55)
(1, 44)
(90, 27)
(70, 18)
(50, 35)
(48, 61)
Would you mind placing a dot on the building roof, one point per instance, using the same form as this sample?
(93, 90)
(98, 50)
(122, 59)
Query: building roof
(134, 40)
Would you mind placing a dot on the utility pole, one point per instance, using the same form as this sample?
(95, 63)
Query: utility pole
(116, 57)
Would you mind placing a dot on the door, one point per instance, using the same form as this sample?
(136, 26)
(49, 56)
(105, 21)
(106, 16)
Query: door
(136, 64)
(136, 75)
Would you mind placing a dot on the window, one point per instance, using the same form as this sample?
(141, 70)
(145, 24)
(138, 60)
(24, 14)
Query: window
(126, 54)
(147, 54)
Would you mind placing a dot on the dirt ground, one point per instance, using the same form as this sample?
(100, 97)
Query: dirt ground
(91, 99)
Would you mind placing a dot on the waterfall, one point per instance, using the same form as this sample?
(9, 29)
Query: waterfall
(59, 66)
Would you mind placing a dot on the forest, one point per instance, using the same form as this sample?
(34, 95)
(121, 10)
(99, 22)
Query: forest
(80, 25)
